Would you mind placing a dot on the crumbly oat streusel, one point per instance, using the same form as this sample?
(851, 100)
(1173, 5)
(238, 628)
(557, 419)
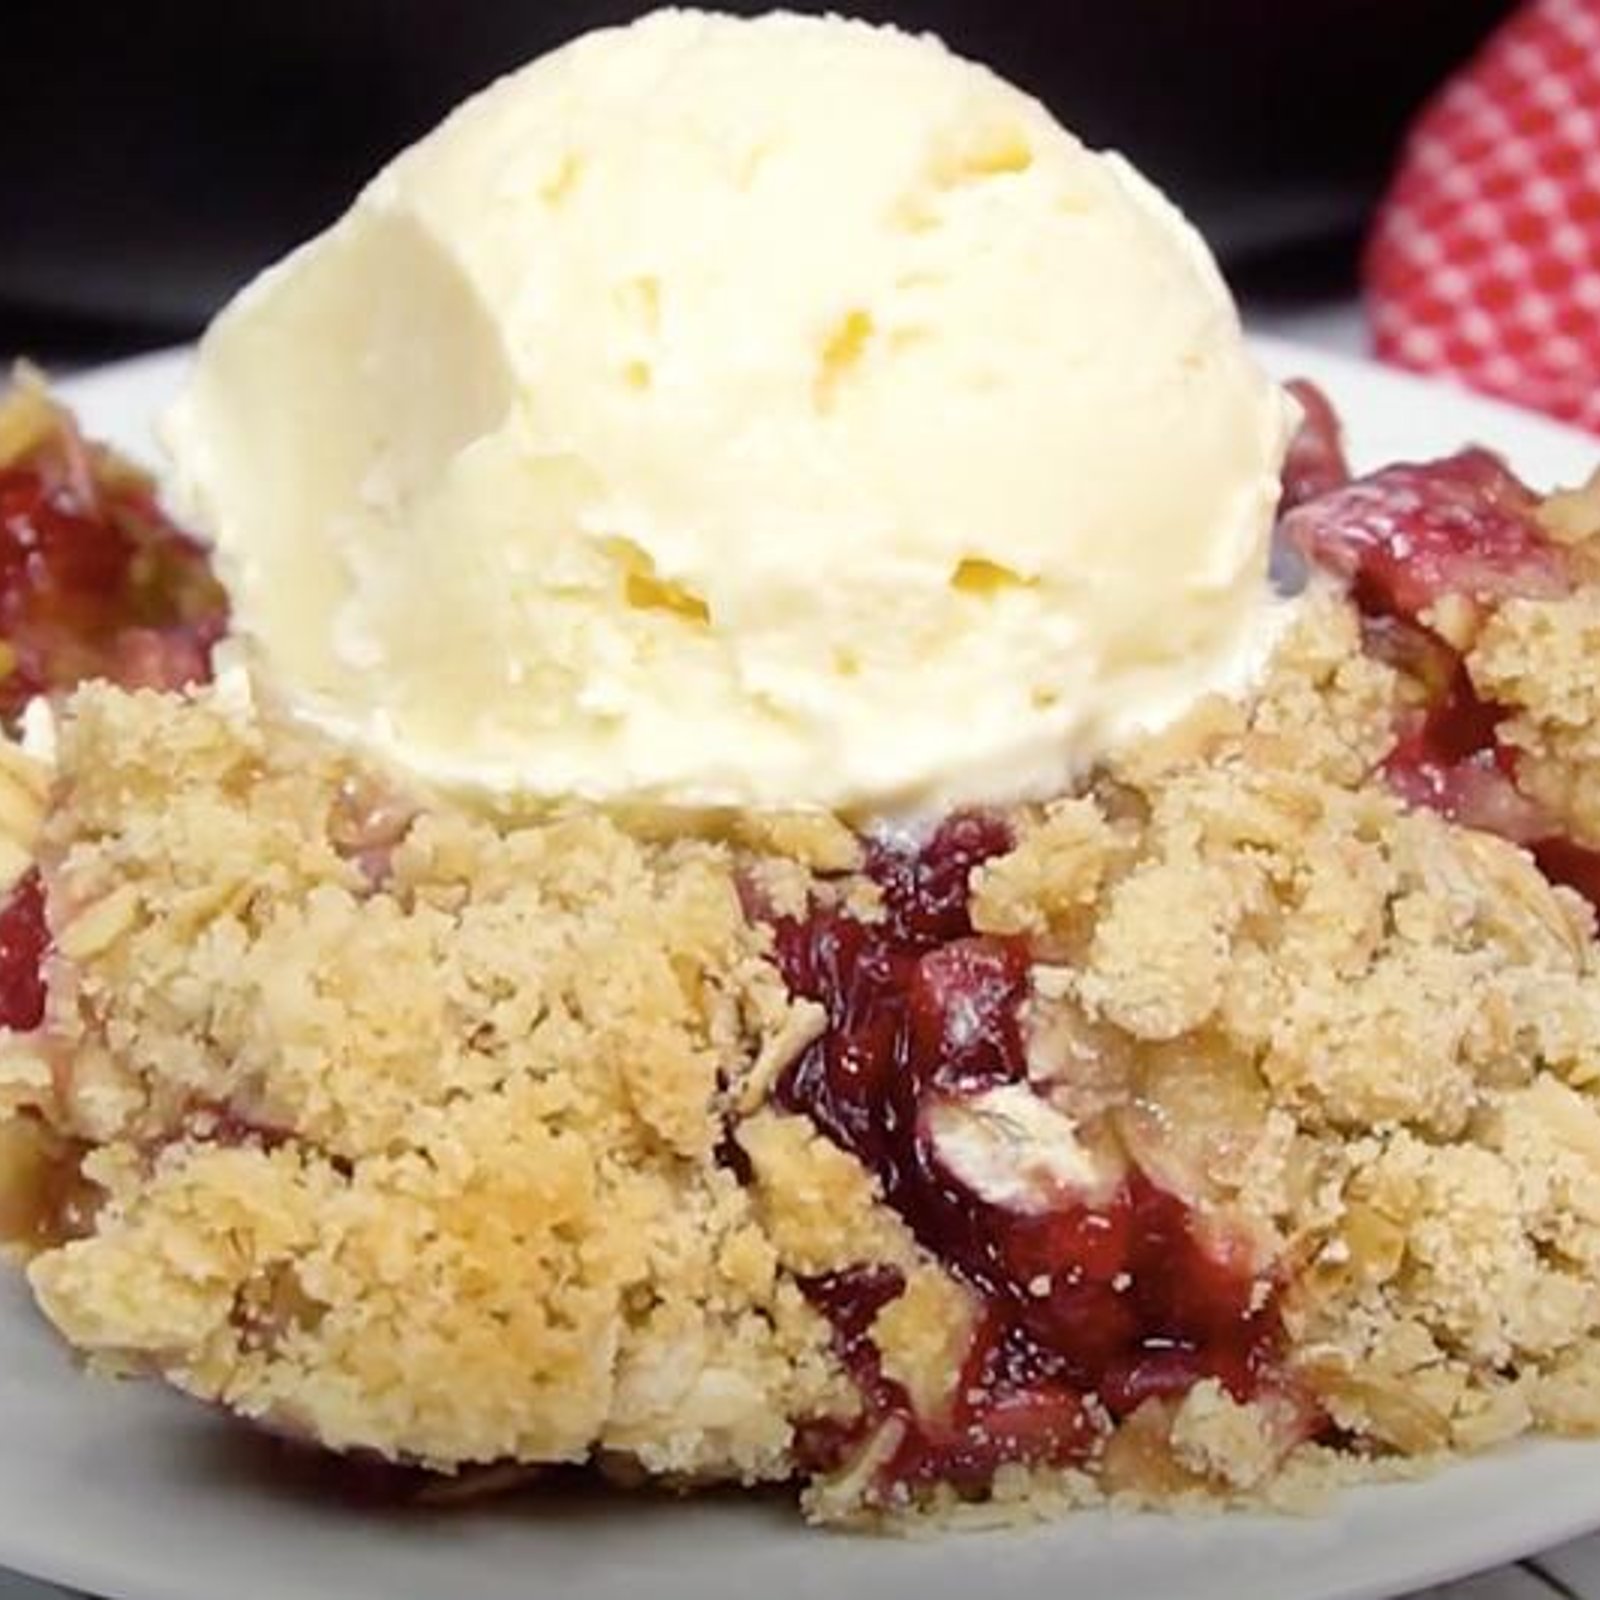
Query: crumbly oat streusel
(425, 1149)
(1226, 1131)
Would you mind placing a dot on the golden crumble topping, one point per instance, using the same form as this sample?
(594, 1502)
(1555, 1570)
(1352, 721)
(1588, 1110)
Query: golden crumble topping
(1537, 658)
(425, 1170)
(460, 1141)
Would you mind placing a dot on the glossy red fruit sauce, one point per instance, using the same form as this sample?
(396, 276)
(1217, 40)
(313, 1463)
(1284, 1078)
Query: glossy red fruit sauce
(1089, 1309)
(1406, 539)
(23, 941)
(1316, 461)
(95, 581)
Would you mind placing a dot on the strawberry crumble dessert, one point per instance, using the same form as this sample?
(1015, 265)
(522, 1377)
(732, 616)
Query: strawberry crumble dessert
(1223, 1128)
(1219, 1125)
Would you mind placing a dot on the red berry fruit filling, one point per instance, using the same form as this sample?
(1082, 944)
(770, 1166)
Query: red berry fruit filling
(1408, 540)
(1316, 462)
(95, 581)
(1092, 1304)
(1408, 536)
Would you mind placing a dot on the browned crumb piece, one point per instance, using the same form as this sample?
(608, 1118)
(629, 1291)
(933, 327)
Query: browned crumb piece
(923, 1336)
(1325, 708)
(819, 1206)
(1572, 516)
(1230, 1444)
(816, 840)
(1537, 658)
(24, 794)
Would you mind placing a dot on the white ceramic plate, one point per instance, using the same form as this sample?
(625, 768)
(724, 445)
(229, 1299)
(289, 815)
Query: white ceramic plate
(129, 1491)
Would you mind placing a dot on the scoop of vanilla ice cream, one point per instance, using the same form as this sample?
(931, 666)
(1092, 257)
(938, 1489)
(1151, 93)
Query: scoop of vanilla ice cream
(755, 413)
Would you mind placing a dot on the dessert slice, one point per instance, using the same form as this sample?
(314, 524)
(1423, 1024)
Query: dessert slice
(1225, 1128)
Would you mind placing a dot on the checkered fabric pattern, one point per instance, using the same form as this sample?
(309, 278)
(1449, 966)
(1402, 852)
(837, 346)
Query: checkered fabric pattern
(1484, 262)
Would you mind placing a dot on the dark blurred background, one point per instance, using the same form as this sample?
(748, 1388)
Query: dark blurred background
(157, 155)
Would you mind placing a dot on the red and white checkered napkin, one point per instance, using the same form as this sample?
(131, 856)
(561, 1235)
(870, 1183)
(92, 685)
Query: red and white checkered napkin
(1484, 262)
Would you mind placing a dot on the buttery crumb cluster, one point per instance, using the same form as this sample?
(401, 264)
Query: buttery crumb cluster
(1228, 1129)
(427, 1169)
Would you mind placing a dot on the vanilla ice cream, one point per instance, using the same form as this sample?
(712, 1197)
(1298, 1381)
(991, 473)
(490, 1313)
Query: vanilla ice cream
(756, 413)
